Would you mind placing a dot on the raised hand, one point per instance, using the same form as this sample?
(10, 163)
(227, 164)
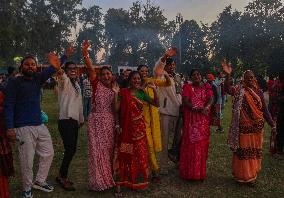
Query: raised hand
(172, 51)
(227, 68)
(54, 60)
(85, 45)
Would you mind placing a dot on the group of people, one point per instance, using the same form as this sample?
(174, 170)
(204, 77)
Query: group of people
(129, 123)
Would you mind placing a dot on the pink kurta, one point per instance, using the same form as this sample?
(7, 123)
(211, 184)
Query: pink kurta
(196, 133)
(101, 139)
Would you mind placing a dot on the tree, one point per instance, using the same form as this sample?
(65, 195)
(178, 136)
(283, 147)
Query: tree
(193, 47)
(117, 25)
(92, 29)
(224, 36)
(12, 30)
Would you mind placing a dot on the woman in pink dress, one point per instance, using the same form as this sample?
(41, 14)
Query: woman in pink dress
(197, 99)
(101, 127)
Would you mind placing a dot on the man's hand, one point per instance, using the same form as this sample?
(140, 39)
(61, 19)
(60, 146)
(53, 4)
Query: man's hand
(172, 51)
(11, 135)
(54, 60)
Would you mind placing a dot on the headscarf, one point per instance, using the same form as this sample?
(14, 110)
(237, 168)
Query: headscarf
(255, 85)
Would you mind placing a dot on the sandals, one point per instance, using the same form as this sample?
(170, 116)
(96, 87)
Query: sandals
(65, 184)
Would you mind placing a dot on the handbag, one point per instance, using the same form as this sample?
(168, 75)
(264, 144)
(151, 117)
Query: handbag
(44, 117)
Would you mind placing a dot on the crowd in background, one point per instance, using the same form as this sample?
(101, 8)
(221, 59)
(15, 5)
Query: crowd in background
(130, 118)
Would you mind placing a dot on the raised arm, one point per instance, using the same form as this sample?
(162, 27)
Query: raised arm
(88, 61)
(228, 84)
(161, 63)
(55, 65)
(162, 82)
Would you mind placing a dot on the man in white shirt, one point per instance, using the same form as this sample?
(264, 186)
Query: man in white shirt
(70, 118)
(170, 102)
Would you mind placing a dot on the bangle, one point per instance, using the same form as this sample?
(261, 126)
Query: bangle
(117, 126)
(85, 57)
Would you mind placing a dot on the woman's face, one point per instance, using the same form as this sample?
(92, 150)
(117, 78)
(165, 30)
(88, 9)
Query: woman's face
(144, 71)
(249, 79)
(106, 77)
(196, 77)
(135, 81)
(72, 71)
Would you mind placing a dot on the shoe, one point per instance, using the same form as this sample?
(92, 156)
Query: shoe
(27, 194)
(65, 184)
(43, 187)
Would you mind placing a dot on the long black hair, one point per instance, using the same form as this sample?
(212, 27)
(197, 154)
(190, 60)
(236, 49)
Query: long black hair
(194, 70)
(105, 68)
(131, 76)
(141, 66)
(73, 82)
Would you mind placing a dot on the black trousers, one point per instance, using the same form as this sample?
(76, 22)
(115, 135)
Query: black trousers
(280, 132)
(68, 130)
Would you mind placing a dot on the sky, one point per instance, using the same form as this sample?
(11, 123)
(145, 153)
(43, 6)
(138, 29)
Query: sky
(200, 10)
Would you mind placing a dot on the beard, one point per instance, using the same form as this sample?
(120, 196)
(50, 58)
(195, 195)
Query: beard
(28, 73)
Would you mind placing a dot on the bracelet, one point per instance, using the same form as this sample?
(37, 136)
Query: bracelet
(117, 126)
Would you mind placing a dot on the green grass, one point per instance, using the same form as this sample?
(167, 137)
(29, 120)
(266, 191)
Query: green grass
(218, 184)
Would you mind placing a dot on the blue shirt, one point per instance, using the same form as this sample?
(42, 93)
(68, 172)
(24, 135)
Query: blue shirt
(22, 99)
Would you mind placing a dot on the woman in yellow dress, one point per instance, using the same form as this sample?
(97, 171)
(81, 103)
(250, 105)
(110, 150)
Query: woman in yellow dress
(152, 119)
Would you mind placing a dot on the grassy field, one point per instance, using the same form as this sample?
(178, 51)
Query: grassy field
(219, 183)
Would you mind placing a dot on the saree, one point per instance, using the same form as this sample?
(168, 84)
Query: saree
(247, 154)
(196, 134)
(6, 157)
(153, 130)
(132, 143)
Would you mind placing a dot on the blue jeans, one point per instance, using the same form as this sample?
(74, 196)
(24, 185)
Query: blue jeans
(87, 105)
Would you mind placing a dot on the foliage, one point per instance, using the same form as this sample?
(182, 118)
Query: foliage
(141, 33)
(194, 52)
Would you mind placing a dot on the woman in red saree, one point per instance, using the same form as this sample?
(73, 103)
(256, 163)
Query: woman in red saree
(6, 159)
(132, 154)
(197, 99)
(247, 126)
